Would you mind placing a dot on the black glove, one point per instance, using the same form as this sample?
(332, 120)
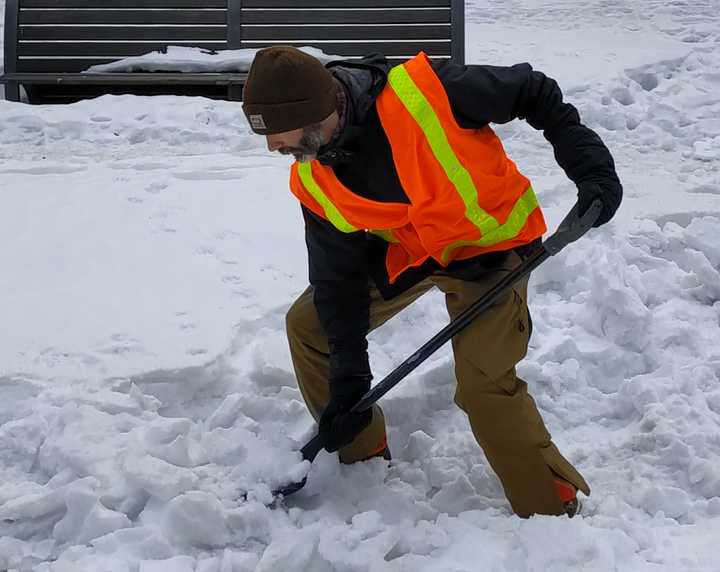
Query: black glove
(610, 193)
(338, 427)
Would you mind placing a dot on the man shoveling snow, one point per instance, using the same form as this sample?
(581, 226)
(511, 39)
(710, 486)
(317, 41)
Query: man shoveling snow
(405, 187)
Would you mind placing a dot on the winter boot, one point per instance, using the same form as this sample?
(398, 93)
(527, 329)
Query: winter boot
(568, 495)
(385, 454)
(382, 451)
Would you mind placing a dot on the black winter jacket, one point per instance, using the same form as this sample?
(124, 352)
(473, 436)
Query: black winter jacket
(342, 266)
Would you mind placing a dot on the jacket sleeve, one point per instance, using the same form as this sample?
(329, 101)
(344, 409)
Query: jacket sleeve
(338, 273)
(490, 94)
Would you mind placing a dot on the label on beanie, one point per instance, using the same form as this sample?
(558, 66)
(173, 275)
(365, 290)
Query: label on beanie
(257, 122)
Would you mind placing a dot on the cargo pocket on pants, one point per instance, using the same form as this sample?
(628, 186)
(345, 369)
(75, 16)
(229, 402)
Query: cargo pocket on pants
(487, 353)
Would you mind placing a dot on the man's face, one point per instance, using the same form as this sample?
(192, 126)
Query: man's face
(303, 144)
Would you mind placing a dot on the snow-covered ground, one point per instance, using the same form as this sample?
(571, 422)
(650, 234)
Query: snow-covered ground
(150, 249)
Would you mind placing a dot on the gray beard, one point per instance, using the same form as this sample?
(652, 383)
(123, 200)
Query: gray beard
(309, 146)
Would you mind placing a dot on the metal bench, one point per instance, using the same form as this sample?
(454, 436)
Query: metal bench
(48, 43)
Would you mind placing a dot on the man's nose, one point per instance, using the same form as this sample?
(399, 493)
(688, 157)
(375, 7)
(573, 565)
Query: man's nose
(273, 144)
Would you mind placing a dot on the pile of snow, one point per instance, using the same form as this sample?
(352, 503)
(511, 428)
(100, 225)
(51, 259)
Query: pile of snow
(150, 470)
(151, 250)
(188, 59)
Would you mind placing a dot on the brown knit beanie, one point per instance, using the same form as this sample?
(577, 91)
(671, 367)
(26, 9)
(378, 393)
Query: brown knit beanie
(287, 89)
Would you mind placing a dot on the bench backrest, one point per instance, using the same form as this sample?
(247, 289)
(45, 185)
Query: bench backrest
(56, 36)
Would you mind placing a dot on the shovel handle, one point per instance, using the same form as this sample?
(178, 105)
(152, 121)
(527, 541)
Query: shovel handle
(312, 448)
(573, 227)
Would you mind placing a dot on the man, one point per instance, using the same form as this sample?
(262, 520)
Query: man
(404, 186)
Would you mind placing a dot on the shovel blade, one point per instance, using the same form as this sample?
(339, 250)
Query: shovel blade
(290, 489)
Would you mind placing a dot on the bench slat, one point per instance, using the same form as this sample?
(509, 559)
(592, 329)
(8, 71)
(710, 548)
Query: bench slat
(130, 78)
(345, 3)
(388, 48)
(122, 3)
(60, 65)
(401, 50)
(118, 50)
(53, 68)
(343, 33)
(433, 16)
(272, 34)
(115, 49)
(122, 32)
(172, 16)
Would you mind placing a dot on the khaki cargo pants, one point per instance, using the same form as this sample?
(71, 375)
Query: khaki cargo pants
(503, 416)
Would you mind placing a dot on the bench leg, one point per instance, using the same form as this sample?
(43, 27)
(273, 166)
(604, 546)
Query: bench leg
(12, 91)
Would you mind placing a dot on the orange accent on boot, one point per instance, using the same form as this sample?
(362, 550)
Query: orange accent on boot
(566, 491)
(380, 449)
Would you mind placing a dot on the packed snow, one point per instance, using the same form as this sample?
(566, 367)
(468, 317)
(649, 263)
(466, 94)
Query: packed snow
(189, 59)
(150, 249)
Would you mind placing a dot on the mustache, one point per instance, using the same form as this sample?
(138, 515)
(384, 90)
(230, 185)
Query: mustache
(290, 150)
(309, 144)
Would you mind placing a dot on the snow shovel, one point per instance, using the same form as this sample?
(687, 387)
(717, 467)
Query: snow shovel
(570, 229)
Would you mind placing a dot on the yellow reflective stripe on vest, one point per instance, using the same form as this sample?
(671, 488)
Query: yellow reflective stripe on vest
(522, 209)
(426, 118)
(386, 235)
(331, 211)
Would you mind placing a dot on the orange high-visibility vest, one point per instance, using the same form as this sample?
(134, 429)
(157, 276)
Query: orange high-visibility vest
(466, 196)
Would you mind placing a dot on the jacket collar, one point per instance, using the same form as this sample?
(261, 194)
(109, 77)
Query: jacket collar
(361, 82)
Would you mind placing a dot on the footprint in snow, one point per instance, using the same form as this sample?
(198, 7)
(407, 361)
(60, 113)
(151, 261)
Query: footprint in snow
(682, 219)
(207, 176)
(196, 352)
(156, 187)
